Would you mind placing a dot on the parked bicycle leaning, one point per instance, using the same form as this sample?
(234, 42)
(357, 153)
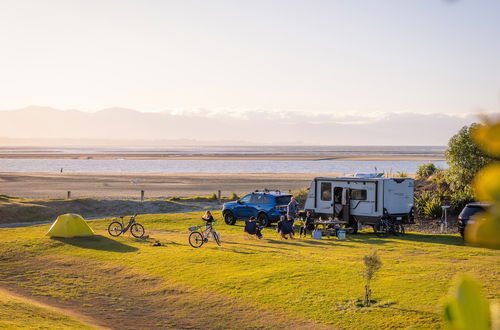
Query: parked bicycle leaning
(116, 228)
(386, 225)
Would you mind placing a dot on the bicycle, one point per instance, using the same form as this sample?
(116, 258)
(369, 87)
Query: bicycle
(116, 228)
(197, 238)
(386, 226)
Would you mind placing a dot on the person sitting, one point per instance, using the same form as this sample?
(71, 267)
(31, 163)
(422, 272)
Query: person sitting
(253, 228)
(287, 228)
(307, 224)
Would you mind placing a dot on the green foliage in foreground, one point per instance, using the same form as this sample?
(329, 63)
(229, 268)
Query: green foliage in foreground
(308, 279)
(467, 308)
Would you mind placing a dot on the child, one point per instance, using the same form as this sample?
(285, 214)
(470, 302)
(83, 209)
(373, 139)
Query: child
(307, 224)
(208, 218)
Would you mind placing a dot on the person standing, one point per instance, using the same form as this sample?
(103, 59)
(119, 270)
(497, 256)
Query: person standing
(307, 224)
(291, 210)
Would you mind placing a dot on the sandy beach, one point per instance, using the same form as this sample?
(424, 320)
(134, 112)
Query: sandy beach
(129, 185)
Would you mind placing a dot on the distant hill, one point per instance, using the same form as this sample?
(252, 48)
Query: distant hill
(44, 125)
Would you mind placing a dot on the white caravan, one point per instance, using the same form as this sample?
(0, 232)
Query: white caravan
(361, 201)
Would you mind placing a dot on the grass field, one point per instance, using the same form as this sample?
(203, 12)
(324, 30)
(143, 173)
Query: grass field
(19, 313)
(271, 283)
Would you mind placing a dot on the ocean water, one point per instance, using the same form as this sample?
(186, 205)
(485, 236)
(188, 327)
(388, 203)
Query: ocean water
(208, 166)
(316, 151)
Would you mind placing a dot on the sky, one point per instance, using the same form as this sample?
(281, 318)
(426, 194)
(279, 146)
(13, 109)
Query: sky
(341, 57)
(355, 64)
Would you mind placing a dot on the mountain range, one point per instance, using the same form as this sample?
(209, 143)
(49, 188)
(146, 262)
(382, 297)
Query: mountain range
(37, 125)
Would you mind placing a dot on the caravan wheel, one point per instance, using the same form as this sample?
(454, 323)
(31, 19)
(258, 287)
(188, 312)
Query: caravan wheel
(353, 227)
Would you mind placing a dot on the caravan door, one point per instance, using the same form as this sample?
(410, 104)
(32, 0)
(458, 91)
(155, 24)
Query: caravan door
(363, 198)
(324, 197)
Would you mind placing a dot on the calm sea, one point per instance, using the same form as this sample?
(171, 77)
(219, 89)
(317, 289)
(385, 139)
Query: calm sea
(221, 166)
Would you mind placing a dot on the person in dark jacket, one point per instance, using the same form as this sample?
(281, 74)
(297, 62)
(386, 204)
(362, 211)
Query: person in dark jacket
(253, 228)
(287, 228)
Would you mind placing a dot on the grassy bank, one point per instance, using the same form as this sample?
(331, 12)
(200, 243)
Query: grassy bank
(19, 313)
(17, 209)
(246, 282)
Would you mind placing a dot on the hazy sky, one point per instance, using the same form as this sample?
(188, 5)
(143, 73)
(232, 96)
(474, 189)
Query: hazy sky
(343, 57)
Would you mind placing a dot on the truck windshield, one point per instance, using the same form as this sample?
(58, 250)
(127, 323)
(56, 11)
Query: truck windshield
(283, 200)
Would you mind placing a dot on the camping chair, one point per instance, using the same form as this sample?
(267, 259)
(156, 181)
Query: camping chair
(253, 229)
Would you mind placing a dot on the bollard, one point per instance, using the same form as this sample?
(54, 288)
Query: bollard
(444, 218)
(219, 198)
(69, 194)
(142, 195)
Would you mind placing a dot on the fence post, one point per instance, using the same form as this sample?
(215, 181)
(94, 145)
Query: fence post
(219, 197)
(69, 194)
(142, 195)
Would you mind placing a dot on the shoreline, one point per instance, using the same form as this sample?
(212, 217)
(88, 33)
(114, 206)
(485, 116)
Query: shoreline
(131, 156)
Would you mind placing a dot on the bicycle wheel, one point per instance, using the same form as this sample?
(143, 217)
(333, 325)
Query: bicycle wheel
(216, 238)
(196, 239)
(115, 229)
(381, 229)
(137, 230)
(399, 230)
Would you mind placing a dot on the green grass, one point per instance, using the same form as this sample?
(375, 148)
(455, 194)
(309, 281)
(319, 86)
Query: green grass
(305, 280)
(18, 313)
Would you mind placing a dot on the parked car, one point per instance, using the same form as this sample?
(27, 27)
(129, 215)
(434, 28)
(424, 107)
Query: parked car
(469, 211)
(265, 205)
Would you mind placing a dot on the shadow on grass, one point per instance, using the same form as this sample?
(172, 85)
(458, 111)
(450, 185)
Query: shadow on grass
(96, 242)
(371, 238)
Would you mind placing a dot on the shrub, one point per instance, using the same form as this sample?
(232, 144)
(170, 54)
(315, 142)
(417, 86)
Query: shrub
(422, 200)
(300, 195)
(425, 170)
(402, 175)
(459, 199)
(432, 208)
(214, 197)
(372, 265)
(439, 179)
(465, 158)
(234, 196)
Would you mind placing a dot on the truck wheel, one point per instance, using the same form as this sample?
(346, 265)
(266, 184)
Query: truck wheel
(229, 218)
(263, 219)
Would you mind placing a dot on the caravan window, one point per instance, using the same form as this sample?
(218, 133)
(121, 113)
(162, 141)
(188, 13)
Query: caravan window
(326, 191)
(358, 194)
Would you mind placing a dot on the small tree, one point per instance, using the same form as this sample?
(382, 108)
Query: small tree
(426, 170)
(372, 264)
(464, 158)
